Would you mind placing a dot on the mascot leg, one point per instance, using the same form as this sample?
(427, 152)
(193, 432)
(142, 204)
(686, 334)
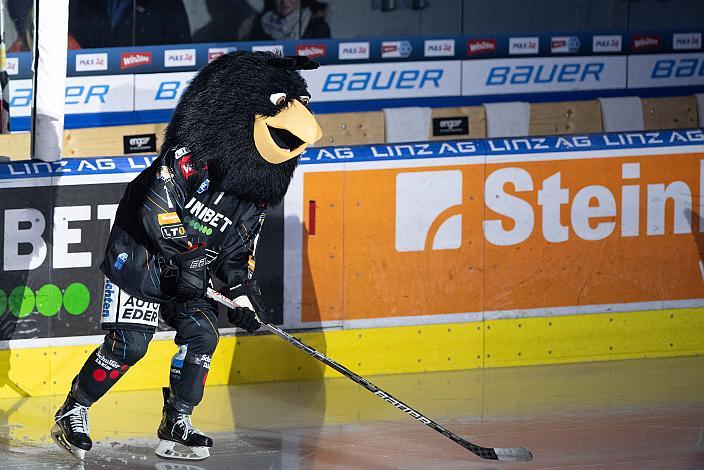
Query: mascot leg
(103, 368)
(197, 337)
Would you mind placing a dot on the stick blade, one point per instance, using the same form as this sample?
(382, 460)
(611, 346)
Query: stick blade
(513, 454)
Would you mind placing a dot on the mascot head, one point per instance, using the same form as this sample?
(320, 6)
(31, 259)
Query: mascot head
(245, 115)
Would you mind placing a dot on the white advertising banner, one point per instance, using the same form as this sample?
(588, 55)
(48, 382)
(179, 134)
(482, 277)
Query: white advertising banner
(384, 81)
(21, 98)
(100, 94)
(159, 90)
(661, 70)
(378, 81)
(538, 75)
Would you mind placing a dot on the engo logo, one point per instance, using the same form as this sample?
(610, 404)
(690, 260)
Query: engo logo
(428, 207)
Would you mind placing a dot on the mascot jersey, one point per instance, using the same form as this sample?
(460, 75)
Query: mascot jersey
(230, 151)
(167, 209)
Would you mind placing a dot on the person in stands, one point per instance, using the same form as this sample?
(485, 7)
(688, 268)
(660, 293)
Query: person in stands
(291, 19)
(111, 23)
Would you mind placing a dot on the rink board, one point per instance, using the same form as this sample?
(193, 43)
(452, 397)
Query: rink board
(411, 257)
(48, 370)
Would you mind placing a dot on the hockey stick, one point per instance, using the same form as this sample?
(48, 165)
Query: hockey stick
(514, 454)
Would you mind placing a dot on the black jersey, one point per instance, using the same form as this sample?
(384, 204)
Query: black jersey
(168, 208)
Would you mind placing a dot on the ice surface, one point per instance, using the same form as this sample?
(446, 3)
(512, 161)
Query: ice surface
(627, 414)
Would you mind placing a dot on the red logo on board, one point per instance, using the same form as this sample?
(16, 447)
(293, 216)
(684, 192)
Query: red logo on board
(134, 59)
(480, 46)
(645, 41)
(312, 50)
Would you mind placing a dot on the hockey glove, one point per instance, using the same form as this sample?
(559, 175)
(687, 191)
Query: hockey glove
(248, 298)
(190, 280)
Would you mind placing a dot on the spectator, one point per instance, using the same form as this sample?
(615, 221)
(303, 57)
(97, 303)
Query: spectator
(291, 19)
(22, 14)
(111, 23)
(226, 18)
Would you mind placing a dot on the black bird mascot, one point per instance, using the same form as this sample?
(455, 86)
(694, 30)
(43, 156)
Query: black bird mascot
(230, 152)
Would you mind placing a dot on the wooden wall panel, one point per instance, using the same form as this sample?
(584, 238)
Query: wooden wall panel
(677, 112)
(351, 128)
(15, 146)
(100, 141)
(87, 142)
(566, 117)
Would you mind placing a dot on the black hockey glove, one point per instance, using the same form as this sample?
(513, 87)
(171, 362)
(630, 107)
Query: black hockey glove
(190, 279)
(248, 297)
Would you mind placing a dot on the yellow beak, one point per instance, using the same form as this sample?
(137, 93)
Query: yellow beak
(294, 119)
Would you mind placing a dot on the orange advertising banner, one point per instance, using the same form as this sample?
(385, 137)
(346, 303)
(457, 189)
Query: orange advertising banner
(505, 236)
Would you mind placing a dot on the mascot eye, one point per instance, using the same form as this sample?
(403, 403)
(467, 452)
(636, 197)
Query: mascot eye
(278, 98)
(304, 99)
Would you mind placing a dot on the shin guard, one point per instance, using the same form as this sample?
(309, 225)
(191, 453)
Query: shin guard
(109, 362)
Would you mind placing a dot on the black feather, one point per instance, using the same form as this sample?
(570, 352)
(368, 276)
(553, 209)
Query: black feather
(297, 62)
(215, 119)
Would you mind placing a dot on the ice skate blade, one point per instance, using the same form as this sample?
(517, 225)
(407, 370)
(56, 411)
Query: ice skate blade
(166, 450)
(57, 434)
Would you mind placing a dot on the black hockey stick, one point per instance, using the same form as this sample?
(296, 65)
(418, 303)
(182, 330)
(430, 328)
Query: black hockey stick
(514, 454)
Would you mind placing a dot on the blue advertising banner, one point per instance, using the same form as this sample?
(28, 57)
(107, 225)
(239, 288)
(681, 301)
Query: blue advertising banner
(135, 85)
(81, 167)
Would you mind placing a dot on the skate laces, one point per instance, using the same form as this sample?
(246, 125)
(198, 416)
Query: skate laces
(184, 421)
(78, 418)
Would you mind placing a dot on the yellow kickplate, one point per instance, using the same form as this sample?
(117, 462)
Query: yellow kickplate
(495, 343)
(595, 337)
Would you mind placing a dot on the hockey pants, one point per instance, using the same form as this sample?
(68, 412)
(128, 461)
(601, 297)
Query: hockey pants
(196, 336)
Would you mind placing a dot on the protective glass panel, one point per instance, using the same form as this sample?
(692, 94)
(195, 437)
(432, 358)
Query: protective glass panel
(114, 23)
(383, 18)
(531, 16)
(15, 76)
(681, 15)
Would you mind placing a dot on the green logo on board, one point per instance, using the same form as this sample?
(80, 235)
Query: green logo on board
(48, 300)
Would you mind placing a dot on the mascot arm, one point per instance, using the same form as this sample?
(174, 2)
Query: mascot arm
(236, 261)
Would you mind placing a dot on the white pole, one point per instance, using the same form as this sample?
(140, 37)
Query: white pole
(49, 84)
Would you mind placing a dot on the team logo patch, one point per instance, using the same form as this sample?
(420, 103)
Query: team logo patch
(206, 216)
(109, 297)
(120, 261)
(203, 360)
(203, 186)
(173, 231)
(199, 263)
(180, 152)
(180, 356)
(134, 310)
(186, 167)
(165, 173)
(166, 218)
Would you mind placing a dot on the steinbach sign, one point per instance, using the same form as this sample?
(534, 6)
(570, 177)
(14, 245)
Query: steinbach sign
(601, 199)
